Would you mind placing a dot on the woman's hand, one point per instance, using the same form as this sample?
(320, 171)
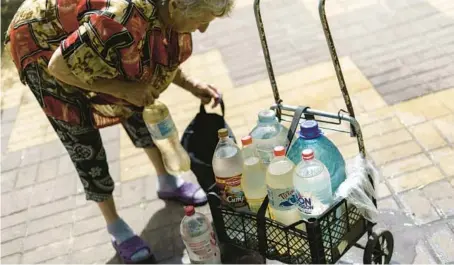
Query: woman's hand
(206, 92)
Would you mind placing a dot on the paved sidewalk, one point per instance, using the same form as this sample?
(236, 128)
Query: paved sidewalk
(397, 58)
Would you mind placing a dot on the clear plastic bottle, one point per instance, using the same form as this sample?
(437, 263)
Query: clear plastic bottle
(165, 136)
(199, 238)
(268, 134)
(312, 186)
(311, 136)
(253, 181)
(228, 169)
(281, 193)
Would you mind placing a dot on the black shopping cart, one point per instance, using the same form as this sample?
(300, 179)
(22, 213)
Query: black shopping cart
(319, 240)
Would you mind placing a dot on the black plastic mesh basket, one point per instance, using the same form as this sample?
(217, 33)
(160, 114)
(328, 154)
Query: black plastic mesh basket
(318, 240)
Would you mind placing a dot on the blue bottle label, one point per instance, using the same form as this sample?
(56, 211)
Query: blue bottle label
(282, 199)
(304, 202)
(162, 129)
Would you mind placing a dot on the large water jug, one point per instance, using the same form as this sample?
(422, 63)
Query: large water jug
(310, 136)
(268, 134)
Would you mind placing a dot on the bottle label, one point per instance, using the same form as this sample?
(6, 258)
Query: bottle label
(231, 191)
(308, 204)
(282, 199)
(162, 129)
(204, 249)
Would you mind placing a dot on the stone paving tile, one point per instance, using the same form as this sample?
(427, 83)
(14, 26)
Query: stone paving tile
(88, 225)
(441, 194)
(12, 259)
(88, 240)
(8, 180)
(47, 237)
(419, 207)
(416, 179)
(47, 170)
(441, 240)
(18, 200)
(11, 247)
(405, 165)
(11, 161)
(396, 152)
(422, 255)
(54, 207)
(47, 252)
(90, 255)
(26, 176)
(49, 222)
(13, 232)
(445, 126)
(427, 136)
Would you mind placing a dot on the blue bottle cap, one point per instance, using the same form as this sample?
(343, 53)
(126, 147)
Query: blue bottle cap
(267, 116)
(309, 130)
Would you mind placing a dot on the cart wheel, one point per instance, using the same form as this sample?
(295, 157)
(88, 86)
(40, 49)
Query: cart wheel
(379, 248)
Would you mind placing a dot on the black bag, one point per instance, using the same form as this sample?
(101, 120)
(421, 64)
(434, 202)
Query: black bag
(200, 139)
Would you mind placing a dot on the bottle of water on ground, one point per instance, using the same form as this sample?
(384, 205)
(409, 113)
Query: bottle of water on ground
(199, 238)
(165, 136)
(312, 186)
(268, 134)
(310, 136)
(253, 181)
(280, 189)
(228, 169)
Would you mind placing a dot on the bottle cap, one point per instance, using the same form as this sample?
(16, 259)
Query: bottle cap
(246, 140)
(309, 129)
(279, 151)
(223, 133)
(267, 116)
(189, 210)
(307, 154)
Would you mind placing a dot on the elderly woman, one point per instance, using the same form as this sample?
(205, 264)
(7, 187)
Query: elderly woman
(96, 63)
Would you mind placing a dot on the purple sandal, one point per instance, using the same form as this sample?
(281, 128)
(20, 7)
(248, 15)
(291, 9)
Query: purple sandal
(184, 194)
(130, 247)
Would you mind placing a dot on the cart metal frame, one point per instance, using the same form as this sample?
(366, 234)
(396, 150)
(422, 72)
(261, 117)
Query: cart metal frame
(327, 238)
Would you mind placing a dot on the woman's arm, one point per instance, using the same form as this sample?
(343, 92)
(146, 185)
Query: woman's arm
(184, 81)
(136, 93)
(204, 91)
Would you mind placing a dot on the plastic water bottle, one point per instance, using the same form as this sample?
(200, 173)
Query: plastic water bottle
(268, 134)
(281, 193)
(198, 237)
(165, 136)
(325, 151)
(228, 170)
(253, 181)
(312, 186)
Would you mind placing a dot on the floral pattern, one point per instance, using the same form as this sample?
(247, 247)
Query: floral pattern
(100, 39)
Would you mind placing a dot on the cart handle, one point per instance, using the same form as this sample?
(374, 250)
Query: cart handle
(266, 54)
(335, 58)
(332, 51)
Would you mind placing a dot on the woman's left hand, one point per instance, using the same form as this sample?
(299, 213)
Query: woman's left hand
(206, 92)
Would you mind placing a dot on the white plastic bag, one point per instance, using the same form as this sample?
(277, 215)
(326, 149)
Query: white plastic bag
(358, 189)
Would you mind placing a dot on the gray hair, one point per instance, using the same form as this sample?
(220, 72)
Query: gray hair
(219, 8)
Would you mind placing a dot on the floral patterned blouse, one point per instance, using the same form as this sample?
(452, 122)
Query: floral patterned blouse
(100, 39)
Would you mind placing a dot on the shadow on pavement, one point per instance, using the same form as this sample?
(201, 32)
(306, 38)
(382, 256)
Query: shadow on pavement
(162, 233)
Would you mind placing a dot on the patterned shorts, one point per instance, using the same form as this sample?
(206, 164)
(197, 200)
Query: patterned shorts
(83, 141)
